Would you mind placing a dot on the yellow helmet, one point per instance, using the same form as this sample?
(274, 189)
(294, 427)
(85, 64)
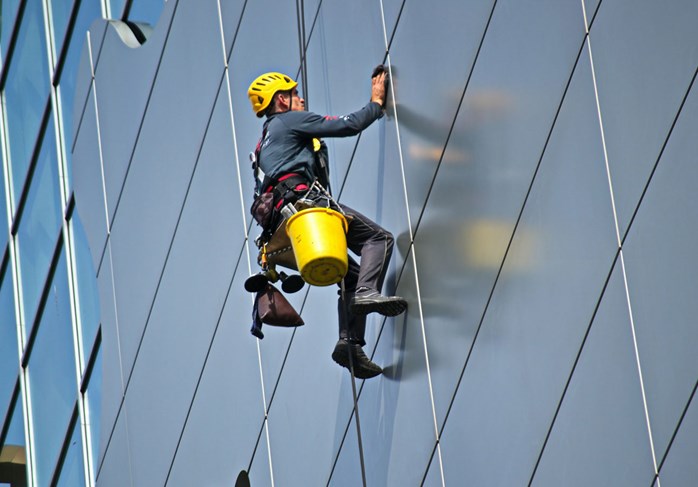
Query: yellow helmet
(262, 90)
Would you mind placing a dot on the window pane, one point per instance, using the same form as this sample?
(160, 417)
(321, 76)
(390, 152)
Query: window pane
(39, 227)
(26, 92)
(73, 469)
(4, 228)
(89, 11)
(146, 11)
(9, 354)
(60, 12)
(7, 20)
(94, 400)
(52, 377)
(87, 287)
(117, 8)
(14, 469)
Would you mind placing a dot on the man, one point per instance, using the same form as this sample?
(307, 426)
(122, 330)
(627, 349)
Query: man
(289, 158)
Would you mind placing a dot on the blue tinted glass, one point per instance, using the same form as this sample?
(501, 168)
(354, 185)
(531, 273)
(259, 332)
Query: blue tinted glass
(94, 399)
(52, 377)
(9, 354)
(146, 11)
(40, 226)
(60, 12)
(73, 469)
(87, 286)
(4, 229)
(8, 8)
(14, 445)
(26, 93)
(89, 11)
(117, 8)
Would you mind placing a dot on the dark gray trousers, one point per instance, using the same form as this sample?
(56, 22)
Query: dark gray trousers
(374, 244)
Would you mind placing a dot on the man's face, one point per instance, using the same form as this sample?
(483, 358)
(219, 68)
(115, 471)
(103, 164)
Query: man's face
(297, 102)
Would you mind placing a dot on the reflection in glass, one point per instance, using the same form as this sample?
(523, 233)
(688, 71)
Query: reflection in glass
(26, 93)
(52, 377)
(40, 226)
(13, 468)
(4, 229)
(146, 11)
(60, 13)
(9, 355)
(7, 20)
(72, 472)
(87, 287)
(116, 8)
(94, 400)
(89, 11)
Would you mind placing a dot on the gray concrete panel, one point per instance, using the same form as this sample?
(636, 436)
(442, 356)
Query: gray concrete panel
(161, 171)
(662, 268)
(679, 466)
(644, 60)
(124, 75)
(115, 471)
(545, 298)
(88, 183)
(187, 308)
(221, 431)
(600, 434)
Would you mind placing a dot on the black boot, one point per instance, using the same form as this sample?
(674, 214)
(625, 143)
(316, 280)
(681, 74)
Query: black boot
(367, 301)
(347, 354)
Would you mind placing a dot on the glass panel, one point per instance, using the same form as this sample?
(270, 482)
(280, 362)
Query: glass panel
(4, 228)
(89, 11)
(73, 468)
(94, 401)
(8, 11)
(601, 420)
(60, 11)
(87, 287)
(146, 11)
(26, 93)
(9, 355)
(117, 7)
(13, 463)
(40, 226)
(52, 377)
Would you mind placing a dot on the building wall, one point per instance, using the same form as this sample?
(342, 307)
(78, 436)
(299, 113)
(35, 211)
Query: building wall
(536, 168)
(50, 373)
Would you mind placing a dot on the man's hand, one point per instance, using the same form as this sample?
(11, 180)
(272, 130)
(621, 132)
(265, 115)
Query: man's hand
(378, 82)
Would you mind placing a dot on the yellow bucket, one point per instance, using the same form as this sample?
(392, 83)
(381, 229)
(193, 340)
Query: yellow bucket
(318, 237)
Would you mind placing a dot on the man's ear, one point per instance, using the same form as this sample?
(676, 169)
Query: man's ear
(282, 100)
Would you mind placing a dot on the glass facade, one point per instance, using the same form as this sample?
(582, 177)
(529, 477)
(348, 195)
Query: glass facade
(536, 165)
(50, 360)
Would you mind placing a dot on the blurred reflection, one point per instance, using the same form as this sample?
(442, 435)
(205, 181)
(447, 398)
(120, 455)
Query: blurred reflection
(52, 376)
(26, 93)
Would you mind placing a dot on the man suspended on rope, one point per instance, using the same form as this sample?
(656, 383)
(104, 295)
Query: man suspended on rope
(290, 157)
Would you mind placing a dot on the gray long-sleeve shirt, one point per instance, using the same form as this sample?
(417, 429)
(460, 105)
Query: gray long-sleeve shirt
(287, 145)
